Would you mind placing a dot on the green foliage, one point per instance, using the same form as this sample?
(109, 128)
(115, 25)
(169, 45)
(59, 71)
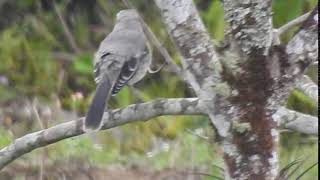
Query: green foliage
(284, 11)
(295, 146)
(83, 64)
(112, 152)
(5, 138)
(7, 93)
(213, 19)
(27, 64)
(300, 102)
(27, 48)
(82, 148)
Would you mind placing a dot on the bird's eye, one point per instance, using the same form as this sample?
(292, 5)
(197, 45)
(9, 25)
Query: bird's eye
(104, 55)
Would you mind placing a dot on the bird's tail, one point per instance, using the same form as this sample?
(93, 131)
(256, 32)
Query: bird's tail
(93, 121)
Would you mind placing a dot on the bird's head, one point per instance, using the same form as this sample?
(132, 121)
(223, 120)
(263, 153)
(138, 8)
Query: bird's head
(127, 14)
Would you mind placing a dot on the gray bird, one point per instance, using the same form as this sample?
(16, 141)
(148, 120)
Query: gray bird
(123, 58)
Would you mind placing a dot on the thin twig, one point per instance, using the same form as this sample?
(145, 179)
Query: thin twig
(35, 111)
(60, 80)
(277, 32)
(157, 70)
(198, 135)
(293, 22)
(42, 155)
(66, 30)
(172, 65)
(63, 56)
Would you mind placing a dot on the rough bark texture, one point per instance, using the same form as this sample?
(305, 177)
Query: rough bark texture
(199, 59)
(306, 85)
(297, 55)
(247, 78)
(241, 87)
(250, 24)
(132, 113)
(250, 148)
(296, 121)
(302, 49)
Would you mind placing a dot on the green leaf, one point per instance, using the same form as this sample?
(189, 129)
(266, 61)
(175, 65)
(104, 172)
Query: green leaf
(83, 64)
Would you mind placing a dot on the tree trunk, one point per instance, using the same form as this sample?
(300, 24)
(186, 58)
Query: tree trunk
(240, 86)
(243, 84)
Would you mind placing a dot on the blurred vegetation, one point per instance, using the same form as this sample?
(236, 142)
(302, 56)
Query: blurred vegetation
(37, 60)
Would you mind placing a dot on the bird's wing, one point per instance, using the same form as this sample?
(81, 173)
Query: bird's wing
(128, 70)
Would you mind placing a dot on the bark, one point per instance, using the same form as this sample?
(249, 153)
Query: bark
(251, 147)
(200, 60)
(292, 23)
(302, 49)
(250, 24)
(240, 86)
(246, 79)
(296, 121)
(118, 117)
(306, 85)
(133, 113)
(297, 55)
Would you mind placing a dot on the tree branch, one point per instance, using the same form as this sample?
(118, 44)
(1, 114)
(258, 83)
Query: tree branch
(66, 30)
(296, 121)
(63, 56)
(132, 113)
(292, 23)
(302, 49)
(200, 61)
(297, 55)
(189, 33)
(138, 112)
(306, 85)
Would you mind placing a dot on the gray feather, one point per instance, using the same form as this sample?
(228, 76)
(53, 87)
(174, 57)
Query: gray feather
(122, 57)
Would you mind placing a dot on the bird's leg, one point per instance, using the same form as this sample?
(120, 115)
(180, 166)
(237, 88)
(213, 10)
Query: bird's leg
(156, 70)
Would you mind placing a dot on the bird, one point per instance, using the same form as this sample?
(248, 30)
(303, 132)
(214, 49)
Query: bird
(122, 58)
